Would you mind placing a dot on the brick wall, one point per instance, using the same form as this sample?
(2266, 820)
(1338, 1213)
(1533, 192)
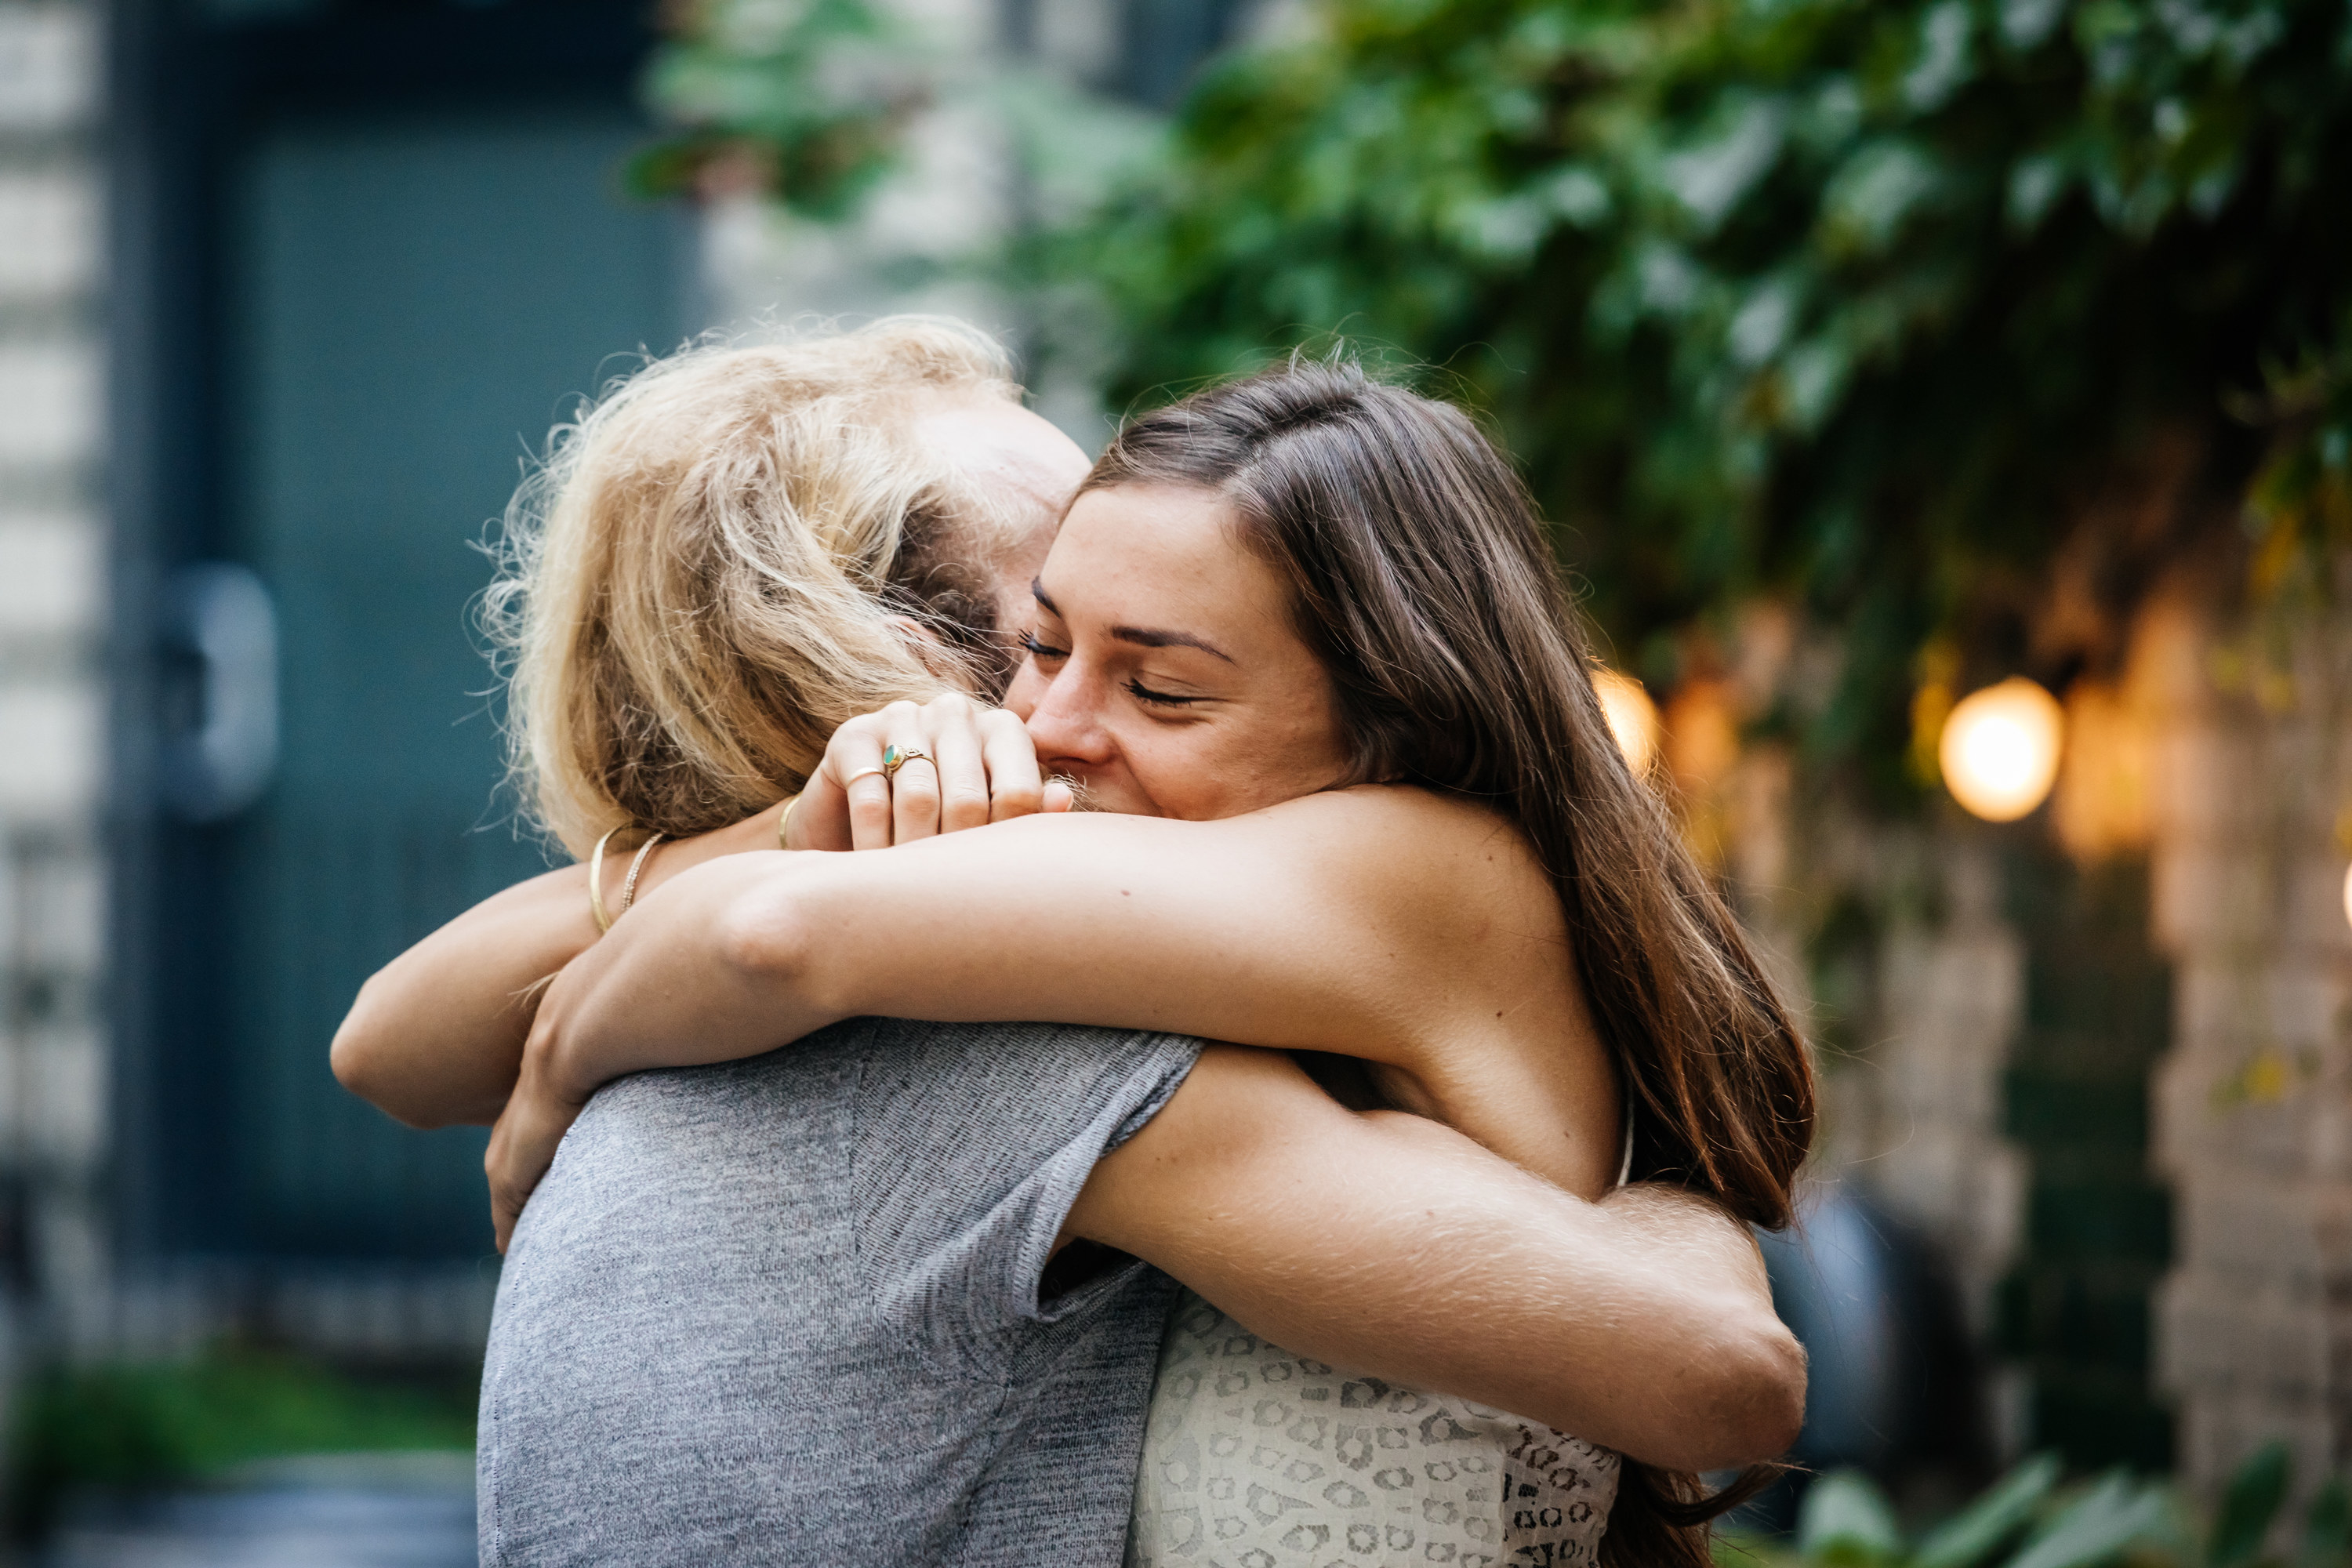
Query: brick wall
(2252, 770)
(53, 1091)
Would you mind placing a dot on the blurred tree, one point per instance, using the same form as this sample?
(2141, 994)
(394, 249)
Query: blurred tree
(1857, 304)
(803, 99)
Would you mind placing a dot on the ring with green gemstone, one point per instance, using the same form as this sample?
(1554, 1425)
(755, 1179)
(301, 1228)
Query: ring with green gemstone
(895, 757)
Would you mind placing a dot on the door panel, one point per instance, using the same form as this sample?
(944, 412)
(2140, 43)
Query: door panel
(418, 299)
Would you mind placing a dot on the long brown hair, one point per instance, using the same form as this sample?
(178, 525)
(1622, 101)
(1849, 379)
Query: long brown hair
(1422, 578)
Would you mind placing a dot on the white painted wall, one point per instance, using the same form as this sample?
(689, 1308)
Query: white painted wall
(53, 1080)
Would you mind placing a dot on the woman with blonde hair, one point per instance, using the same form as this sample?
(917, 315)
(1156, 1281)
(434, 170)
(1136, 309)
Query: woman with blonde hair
(1374, 921)
(736, 551)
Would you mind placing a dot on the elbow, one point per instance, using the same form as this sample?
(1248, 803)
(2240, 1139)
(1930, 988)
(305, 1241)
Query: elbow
(770, 937)
(364, 1063)
(1753, 1397)
(1770, 1411)
(1736, 1399)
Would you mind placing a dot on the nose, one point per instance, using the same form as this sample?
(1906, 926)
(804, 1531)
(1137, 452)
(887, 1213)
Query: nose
(1067, 722)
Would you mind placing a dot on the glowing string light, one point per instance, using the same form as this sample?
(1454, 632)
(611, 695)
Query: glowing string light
(1999, 749)
(1632, 718)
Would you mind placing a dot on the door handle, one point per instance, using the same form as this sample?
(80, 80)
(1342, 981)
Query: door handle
(220, 719)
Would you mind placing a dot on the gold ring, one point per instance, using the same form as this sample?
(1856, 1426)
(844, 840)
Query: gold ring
(892, 759)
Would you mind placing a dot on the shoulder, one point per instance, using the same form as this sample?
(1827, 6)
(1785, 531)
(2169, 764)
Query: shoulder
(1441, 862)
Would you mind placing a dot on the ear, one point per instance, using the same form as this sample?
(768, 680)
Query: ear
(928, 646)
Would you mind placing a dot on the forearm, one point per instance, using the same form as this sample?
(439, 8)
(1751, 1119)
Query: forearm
(436, 1037)
(1111, 921)
(1396, 1246)
(686, 980)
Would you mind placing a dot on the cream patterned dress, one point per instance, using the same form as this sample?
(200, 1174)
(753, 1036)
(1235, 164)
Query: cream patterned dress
(1254, 1457)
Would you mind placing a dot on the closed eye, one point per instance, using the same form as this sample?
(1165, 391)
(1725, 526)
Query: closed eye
(1144, 693)
(1039, 651)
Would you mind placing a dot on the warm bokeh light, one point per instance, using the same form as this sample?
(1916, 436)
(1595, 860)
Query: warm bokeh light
(1701, 735)
(2100, 807)
(1632, 718)
(1999, 749)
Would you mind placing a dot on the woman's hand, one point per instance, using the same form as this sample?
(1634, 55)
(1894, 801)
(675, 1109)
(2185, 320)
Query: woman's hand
(538, 1114)
(968, 765)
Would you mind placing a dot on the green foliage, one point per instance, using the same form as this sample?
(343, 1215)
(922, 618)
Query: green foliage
(1851, 303)
(2248, 1505)
(2327, 1527)
(153, 1425)
(1860, 305)
(1846, 1520)
(2025, 1521)
(1977, 1530)
(802, 98)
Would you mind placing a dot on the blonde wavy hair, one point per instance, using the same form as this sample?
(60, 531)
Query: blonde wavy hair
(712, 568)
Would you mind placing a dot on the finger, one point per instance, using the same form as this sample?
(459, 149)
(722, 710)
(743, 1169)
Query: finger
(503, 1210)
(915, 786)
(955, 746)
(1015, 783)
(519, 1165)
(915, 800)
(1059, 797)
(853, 767)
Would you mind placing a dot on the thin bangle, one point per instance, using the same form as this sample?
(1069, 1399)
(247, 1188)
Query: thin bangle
(629, 888)
(785, 821)
(596, 881)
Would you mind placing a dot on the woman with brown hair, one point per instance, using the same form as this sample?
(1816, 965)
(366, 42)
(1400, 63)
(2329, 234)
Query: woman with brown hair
(1301, 642)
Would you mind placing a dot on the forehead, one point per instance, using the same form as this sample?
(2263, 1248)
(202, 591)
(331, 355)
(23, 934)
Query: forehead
(1165, 551)
(1000, 445)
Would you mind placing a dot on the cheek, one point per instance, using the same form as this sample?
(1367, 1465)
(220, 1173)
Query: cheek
(1302, 747)
(1220, 770)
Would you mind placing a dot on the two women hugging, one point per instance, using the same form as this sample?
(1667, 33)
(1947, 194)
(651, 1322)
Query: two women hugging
(1268, 1164)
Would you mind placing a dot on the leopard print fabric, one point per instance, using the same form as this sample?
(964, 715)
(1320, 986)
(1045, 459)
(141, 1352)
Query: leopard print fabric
(1257, 1458)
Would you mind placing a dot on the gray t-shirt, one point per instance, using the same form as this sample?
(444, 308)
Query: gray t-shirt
(787, 1310)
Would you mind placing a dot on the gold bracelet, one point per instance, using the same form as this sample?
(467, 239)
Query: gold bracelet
(785, 821)
(596, 881)
(629, 888)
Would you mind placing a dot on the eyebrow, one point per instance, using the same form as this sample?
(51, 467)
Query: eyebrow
(1141, 636)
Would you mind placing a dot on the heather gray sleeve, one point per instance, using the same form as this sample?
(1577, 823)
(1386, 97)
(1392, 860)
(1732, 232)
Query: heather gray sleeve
(971, 1144)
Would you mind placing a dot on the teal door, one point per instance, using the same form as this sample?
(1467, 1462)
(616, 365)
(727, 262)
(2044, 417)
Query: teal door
(412, 300)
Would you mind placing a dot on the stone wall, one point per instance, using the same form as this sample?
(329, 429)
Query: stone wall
(2252, 772)
(53, 1091)
(1933, 1150)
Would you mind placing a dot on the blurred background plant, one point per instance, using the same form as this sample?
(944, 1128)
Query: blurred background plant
(1850, 305)
(132, 1428)
(2028, 1520)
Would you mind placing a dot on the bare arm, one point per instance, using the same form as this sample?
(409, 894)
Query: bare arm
(1381, 923)
(1387, 1244)
(436, 1037)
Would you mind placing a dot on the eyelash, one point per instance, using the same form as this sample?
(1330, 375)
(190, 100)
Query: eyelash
(1158, 698)
(1136, 688)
